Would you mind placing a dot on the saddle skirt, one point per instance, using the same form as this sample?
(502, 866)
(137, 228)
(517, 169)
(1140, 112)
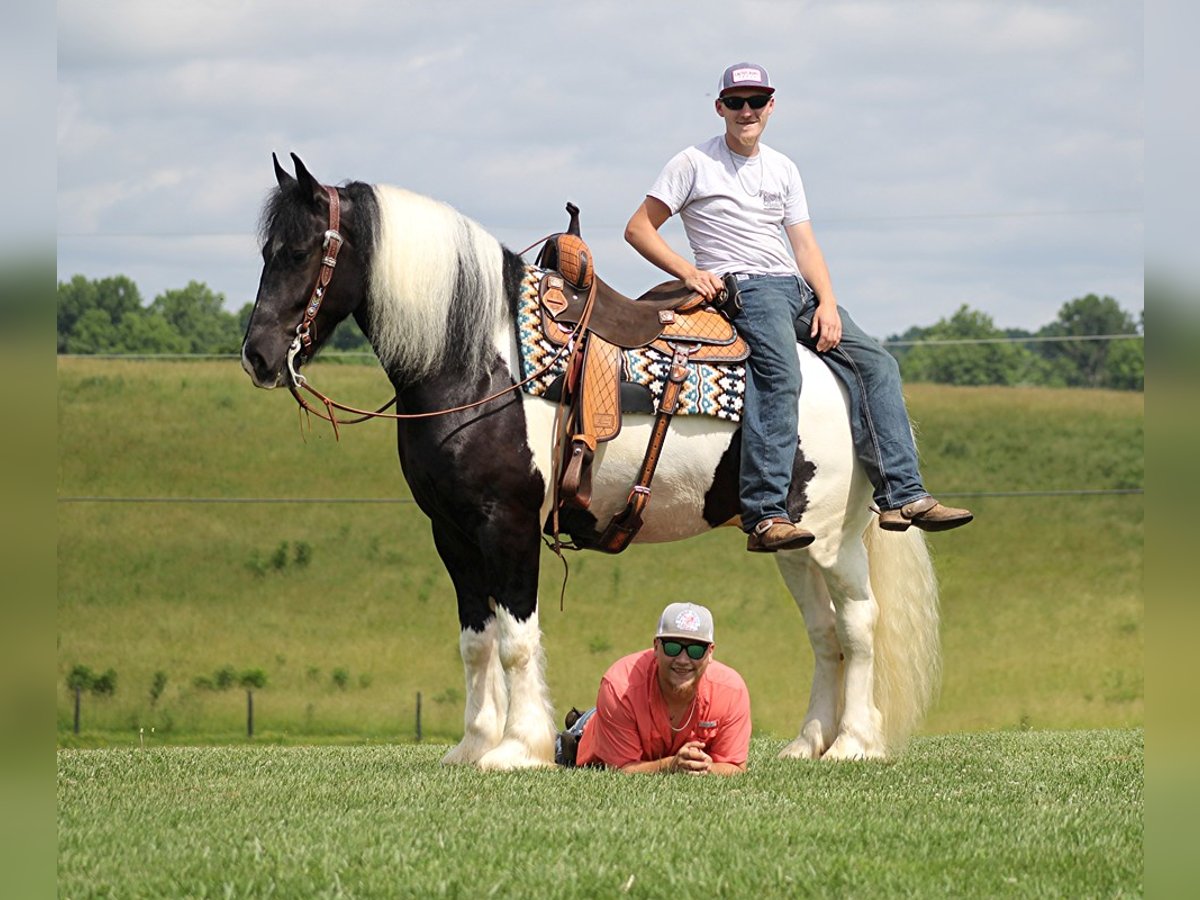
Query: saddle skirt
(716, 380)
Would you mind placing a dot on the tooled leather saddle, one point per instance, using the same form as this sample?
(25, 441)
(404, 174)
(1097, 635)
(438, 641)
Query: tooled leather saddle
(595, 324)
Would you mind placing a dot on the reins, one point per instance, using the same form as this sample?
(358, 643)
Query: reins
(303, 341)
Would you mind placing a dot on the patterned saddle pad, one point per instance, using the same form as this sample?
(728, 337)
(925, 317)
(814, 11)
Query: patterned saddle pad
(710, 390)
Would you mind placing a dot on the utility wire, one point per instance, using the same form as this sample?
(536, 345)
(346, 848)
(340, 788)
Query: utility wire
(1085, 492)
(509, 226)
(1046, 339)
(366, 354)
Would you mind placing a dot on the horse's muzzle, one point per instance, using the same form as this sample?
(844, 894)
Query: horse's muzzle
(262, 373)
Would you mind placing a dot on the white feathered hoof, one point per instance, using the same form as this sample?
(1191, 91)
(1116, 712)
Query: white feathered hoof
(849, 747)
(510, 755)
(463, 753)
(474, 745)
(809, 744)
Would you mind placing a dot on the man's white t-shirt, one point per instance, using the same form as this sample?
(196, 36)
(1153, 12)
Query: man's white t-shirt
(734, 207)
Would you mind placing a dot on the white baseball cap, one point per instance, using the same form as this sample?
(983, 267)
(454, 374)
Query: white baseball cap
(686, 620)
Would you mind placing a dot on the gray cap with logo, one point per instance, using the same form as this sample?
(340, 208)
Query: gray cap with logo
(744, 75)
(687, 621)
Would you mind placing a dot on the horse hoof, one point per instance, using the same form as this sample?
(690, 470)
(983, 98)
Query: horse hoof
(851, 748)
(459, 756)
(474, 746)
(801, 748)
(511, 755)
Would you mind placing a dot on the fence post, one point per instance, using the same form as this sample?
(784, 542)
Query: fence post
(418, 717)
(249, 714)
(78, 691)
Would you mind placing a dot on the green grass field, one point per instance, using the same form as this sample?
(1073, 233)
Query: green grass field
(1041, 596)
(1017, 814)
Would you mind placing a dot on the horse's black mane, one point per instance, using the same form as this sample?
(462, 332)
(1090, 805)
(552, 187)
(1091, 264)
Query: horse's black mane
(286, 216)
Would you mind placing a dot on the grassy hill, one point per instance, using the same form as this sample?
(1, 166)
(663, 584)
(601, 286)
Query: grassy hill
(1042, 599)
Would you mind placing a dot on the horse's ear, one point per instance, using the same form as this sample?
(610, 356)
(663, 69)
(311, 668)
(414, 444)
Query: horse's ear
(281, 176)
(309, 186)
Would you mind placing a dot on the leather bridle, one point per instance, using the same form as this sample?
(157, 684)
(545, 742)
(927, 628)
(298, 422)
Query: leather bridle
(303, 341)
(331, 247)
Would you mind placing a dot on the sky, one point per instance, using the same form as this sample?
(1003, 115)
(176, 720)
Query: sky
(980, 153)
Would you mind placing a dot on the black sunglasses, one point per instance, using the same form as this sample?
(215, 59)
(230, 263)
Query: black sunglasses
(674, 648)
(758, 101)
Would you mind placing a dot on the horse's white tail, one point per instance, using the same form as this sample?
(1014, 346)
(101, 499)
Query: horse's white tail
(908, 660)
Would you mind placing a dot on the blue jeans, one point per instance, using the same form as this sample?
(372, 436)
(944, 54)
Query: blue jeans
(778, 312)
(577, 731)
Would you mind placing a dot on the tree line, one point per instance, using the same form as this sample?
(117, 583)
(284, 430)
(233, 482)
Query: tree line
(108, 315)
(1058, 354)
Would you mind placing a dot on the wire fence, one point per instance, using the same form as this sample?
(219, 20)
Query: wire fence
(367, 354)
(1069, 492)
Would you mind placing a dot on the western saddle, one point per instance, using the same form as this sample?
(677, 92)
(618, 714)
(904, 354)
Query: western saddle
(594, 324)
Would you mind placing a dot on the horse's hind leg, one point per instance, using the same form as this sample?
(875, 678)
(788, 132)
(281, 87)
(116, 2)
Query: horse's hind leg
(807, 586)
(860, 730)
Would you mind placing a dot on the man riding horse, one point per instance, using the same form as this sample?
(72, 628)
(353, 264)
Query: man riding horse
(737, 197)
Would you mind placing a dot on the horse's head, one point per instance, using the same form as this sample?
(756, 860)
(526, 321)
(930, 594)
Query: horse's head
(312, 275)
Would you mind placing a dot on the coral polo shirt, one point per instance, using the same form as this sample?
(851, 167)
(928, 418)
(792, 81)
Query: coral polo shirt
(632, 724)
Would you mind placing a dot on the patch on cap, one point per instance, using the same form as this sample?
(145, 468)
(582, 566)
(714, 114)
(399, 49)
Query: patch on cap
(745, 75)
(737, 76)
(688, 621)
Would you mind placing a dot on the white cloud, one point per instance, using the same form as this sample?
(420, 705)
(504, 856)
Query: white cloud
(168, 113)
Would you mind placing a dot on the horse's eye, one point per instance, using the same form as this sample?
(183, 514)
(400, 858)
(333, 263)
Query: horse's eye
(299, 255)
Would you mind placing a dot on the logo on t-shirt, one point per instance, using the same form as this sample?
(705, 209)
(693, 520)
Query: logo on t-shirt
(772, 199)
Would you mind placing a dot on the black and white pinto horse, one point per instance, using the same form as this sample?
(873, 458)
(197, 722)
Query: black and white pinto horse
(436, 296)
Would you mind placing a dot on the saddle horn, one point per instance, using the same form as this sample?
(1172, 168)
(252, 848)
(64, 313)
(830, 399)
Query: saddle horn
(573, 227)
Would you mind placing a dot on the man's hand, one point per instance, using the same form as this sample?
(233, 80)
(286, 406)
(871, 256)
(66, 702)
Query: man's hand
(826, 326)
(692, 759)
(704, 283)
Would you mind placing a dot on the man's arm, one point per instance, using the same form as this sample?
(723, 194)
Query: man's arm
(642, 234)
(827, 322)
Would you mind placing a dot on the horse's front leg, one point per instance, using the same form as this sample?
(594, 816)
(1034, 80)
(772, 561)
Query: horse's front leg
(860, 731)
(510, 550)
(528, 738)
(487, 695)
(807, 586)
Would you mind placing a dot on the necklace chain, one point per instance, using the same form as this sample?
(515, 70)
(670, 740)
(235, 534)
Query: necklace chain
(685, 722)
(738, 171)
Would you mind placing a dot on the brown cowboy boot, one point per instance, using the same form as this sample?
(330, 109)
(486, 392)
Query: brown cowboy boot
(770, 535)
(927, 514)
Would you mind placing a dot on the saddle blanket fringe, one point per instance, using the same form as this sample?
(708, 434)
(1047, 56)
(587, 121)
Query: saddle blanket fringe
(710, 390)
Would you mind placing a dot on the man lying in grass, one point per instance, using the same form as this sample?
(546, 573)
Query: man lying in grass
(671, 708)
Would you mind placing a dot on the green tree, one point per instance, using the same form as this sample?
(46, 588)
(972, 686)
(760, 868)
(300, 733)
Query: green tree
(1125, 367)
(1085, 363)
(250, 681)
(348, 338)
(966, 363)
(91, 312)
(147, 332)
(92, 332)
(157, 686)
(82, 679)
(197, 314)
